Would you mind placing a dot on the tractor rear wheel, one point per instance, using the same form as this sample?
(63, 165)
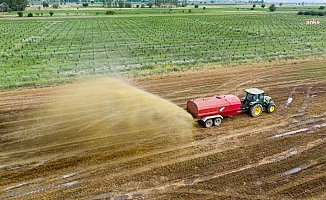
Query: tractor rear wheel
(256, 110)
(271, 107)
(208, 123)
(217, 121)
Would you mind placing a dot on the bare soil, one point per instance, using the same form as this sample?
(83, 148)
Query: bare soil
(132, 138)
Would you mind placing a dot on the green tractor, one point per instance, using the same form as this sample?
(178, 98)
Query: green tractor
(256, 101)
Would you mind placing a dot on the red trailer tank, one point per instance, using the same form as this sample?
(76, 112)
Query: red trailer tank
(214, 108)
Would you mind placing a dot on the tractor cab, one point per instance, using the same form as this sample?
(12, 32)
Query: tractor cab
(256, 102)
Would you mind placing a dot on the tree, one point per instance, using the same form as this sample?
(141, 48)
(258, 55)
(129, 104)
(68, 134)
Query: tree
(322, 8)
(184, 3)
(121, 3)
(150, 4)
(16, 5)
(254, 6)
(128, 5)
(175, 2)
(109, 3)
(272, 8)
(263, 5)
(45, 4)
(158, 3)
(85, 5)
(4, 7)
(281, 4)
(55, 6)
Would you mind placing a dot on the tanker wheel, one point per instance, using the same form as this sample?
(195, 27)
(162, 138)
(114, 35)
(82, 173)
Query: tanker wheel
(217, 121)
(271, 107)
(208, 123)
(256, 110)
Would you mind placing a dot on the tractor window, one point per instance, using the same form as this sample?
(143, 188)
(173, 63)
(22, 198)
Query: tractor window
(254, 97)
(261, 97)
(249, 97)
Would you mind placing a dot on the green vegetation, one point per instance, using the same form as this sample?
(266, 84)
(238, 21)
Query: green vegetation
(136, 9)
(272, 8)
(14, 5)
(51, 50)
(20, 13)
(312, 12)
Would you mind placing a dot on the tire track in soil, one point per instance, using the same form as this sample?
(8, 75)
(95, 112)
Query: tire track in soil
(210, 138)
(271, 159)
(289, 100)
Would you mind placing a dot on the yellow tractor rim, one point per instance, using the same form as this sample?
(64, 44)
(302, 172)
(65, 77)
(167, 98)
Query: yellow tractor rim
(257, 110)
(271, 108)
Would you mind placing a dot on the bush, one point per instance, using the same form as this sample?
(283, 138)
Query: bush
(128, 5)
(85, 5)
(51, 13)
(263, 5)
(30, 15)
(142, 6)
(196, 6)
(272, 8)
(322, 8)
(20, 13)
(109, 12)
(300, 12)
(150, 5)
(313, 13)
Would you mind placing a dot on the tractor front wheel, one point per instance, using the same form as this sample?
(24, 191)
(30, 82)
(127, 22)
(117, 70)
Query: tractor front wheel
(208, 123)
(271, 107)
(256, 110)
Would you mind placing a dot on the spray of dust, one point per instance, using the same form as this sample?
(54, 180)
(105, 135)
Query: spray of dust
(107, 115)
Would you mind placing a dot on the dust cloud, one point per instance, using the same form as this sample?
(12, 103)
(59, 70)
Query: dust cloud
(107, 115)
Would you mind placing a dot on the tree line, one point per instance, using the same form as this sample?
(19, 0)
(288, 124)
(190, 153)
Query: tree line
(157, 3)
(13, 5)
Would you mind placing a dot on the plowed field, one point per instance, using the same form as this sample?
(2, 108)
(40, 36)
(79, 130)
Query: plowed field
(132, 139)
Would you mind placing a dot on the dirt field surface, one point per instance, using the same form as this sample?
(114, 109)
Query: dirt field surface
(132, 139)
